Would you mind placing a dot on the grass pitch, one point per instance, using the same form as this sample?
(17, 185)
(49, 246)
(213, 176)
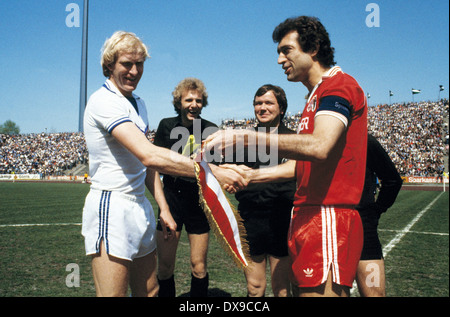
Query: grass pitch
(41, 242)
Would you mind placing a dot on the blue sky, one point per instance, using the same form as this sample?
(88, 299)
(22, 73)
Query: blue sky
(227, 44)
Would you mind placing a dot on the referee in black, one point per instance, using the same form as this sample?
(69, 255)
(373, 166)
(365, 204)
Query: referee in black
(184, 134)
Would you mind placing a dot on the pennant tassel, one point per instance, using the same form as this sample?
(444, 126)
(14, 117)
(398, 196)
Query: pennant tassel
(223, 219)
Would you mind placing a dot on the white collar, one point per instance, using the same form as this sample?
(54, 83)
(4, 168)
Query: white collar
(328, 74)
(112, 88)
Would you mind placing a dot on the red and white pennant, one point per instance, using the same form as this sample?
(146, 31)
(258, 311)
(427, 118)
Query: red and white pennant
(223, 219)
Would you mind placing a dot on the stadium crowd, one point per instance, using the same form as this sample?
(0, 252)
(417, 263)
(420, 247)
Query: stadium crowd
(414, 134)
(44, 154)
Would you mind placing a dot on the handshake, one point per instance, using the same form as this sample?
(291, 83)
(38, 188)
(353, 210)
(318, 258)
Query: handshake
(235, 177)
(232, 177)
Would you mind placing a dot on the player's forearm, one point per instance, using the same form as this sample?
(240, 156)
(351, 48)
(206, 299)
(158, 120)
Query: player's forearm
(316, 146)
(163, 160)
(151, 156)
(169, 162)
(300, 147)
(291, 146)
(278, 173)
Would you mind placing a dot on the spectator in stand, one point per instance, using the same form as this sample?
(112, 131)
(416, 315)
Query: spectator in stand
(46, 154)
(414, 134)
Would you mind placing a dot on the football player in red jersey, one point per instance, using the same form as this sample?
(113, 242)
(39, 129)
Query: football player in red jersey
(326, 235)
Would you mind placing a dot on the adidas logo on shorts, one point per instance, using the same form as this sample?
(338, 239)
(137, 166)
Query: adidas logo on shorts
(308, 272)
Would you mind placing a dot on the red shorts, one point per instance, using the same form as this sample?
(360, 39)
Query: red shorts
(324, 238)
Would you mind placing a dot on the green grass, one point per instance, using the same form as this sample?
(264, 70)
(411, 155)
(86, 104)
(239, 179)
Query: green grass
(33, 259)
(419, 263)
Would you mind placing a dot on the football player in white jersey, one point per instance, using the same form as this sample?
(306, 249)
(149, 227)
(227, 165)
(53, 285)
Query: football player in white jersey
(118, 220)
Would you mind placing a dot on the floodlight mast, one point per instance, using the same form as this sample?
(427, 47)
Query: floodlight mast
(83, 79)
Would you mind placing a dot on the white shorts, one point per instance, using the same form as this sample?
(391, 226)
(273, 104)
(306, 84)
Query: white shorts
(125, 223)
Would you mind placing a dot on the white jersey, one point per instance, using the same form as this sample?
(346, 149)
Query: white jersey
(111, 166)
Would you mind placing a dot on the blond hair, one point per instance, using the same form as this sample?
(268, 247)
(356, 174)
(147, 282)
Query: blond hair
(121, 41)
(188, 84)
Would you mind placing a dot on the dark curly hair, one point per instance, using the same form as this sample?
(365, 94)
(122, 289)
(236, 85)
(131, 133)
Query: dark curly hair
(312, 36)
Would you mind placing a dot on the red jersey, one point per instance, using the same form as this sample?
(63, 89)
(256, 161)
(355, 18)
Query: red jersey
(338, 180)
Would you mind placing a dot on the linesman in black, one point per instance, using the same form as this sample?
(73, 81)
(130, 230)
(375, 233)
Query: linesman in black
(266, 207)
(380, 172)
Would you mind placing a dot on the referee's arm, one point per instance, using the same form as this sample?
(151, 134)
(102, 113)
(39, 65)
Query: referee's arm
(387, 173)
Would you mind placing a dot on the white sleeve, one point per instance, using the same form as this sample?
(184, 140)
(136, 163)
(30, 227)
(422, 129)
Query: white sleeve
(108, 112)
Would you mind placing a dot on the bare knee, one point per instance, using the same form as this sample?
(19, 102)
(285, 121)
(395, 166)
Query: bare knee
(166, 255)
(199, 250)
(256, 288)
(255, 275)
(280, 290)
(165, 270)
(198, 269)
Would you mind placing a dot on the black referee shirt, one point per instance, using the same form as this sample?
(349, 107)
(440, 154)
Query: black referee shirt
(179, 141)
(266, 195)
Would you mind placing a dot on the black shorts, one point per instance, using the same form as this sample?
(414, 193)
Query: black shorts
(186, 210)
(267, 230)
(372, 247)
